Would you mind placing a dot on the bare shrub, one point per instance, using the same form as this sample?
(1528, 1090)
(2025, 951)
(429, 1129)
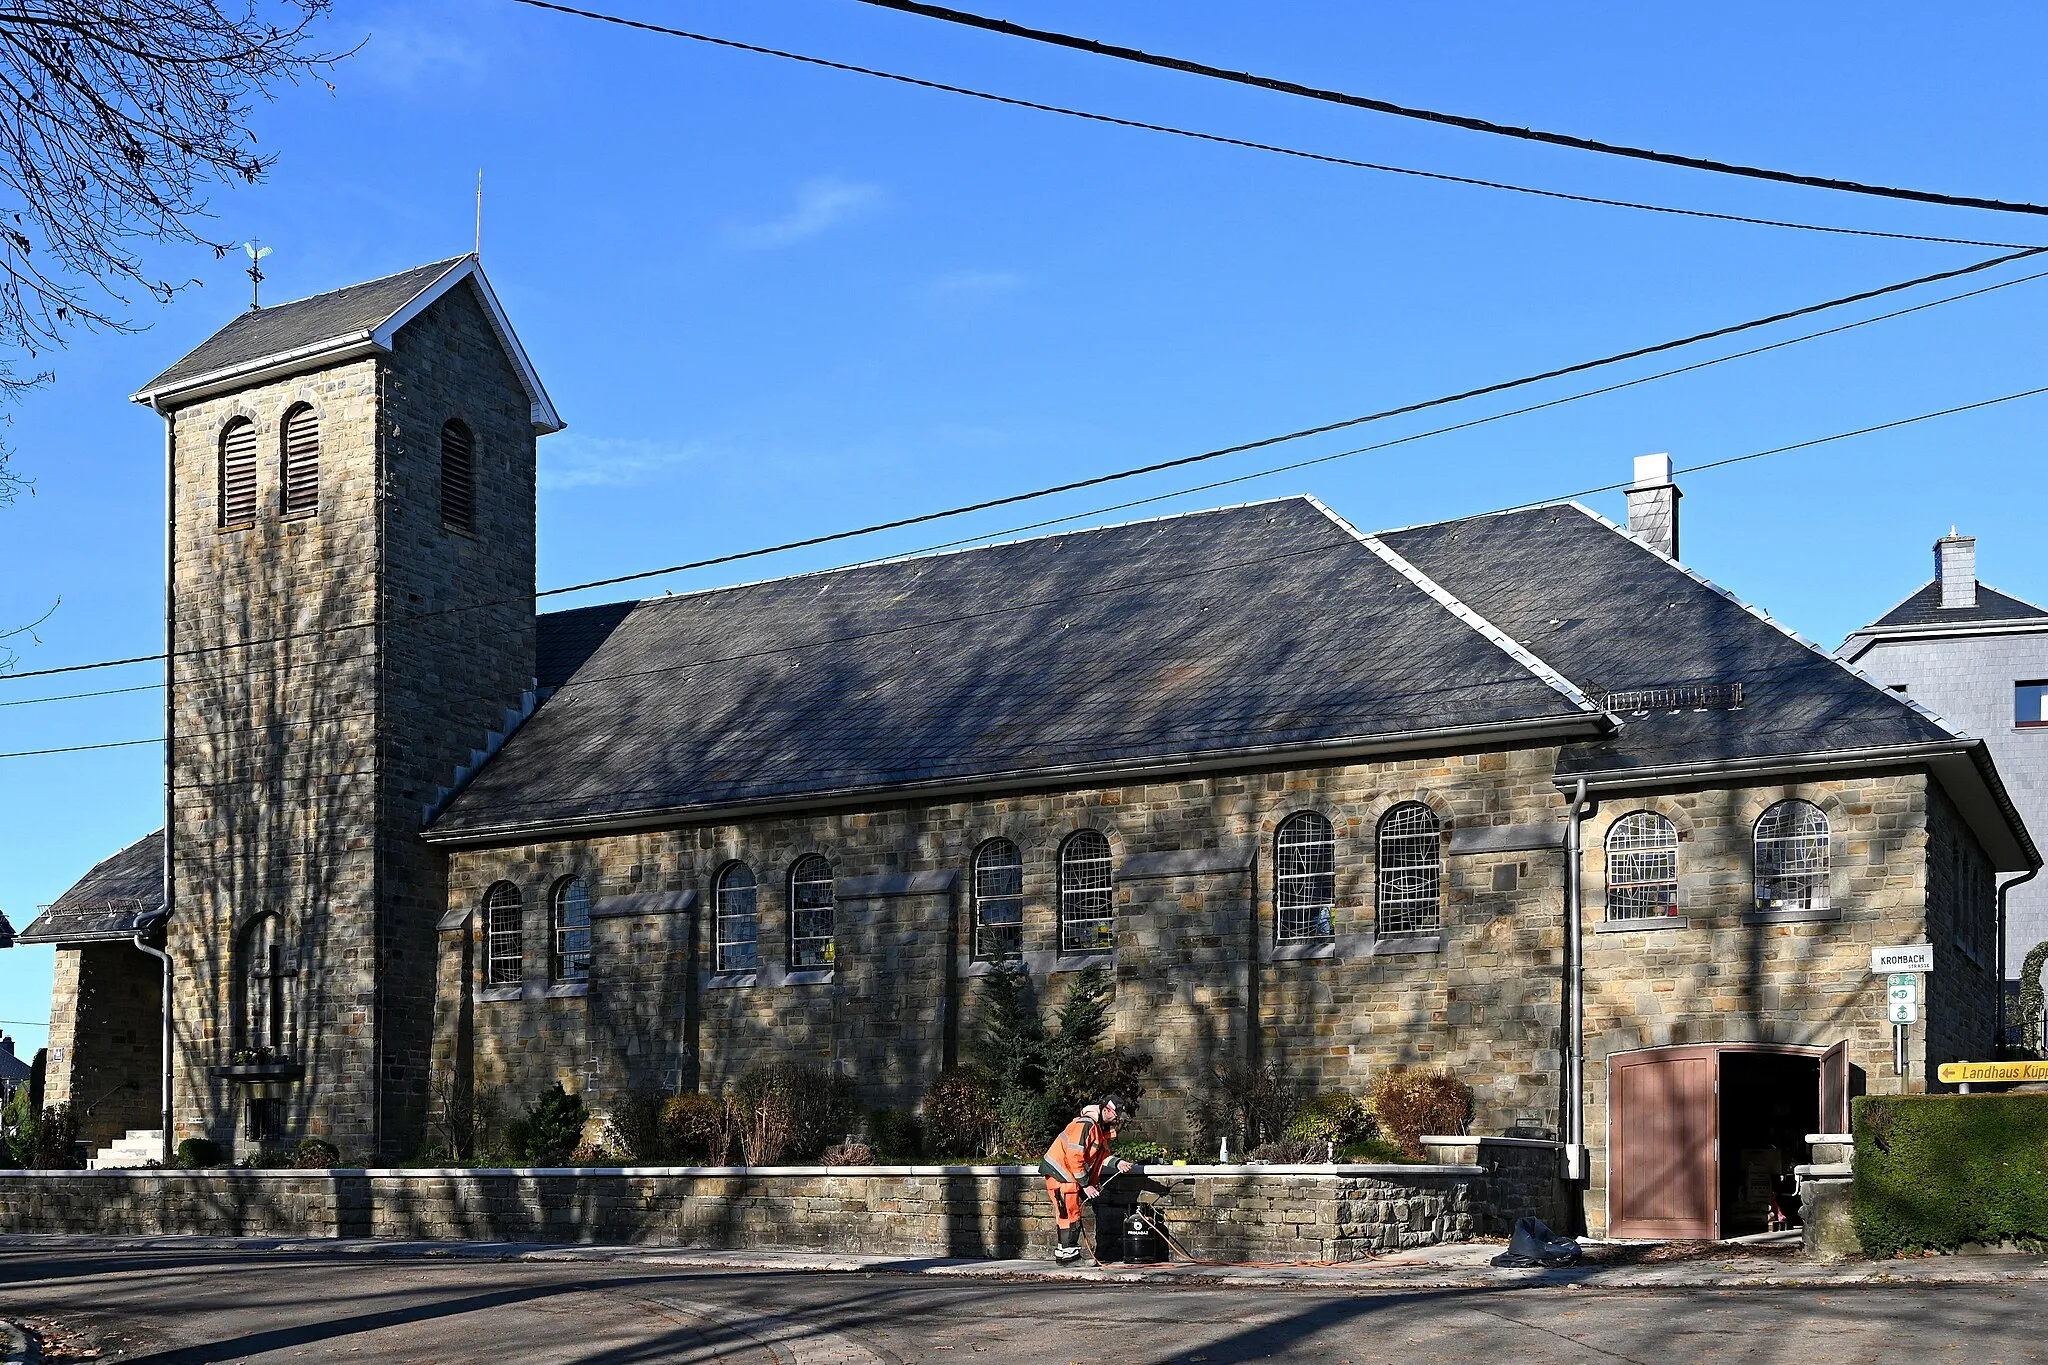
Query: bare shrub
(1408, 1102)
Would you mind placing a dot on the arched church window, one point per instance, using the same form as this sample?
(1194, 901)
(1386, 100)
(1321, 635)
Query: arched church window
(301, 462)
(998, 902)
(1411, 869)
(458, 477)
(739, 921)
(811, 904)
(238, 474)
(1305, 878)
(1087, 894)
(265, 989)
(504, 936)
(1792, 862)
(571, 912)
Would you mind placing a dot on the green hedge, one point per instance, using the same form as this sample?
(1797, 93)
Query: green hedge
(1936, 1171)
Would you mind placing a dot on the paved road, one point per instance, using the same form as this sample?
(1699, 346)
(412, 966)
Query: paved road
(179, 1307)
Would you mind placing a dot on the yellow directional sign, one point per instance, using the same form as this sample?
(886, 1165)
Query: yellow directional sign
(1955, 1073)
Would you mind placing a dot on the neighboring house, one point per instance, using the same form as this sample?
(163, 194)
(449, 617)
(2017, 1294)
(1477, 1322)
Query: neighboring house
(14, 1072)
(1309, 794)
(1978, 658)
(6, 931)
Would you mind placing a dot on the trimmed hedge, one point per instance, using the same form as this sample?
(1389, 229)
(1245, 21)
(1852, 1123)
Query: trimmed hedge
(1936, 1171)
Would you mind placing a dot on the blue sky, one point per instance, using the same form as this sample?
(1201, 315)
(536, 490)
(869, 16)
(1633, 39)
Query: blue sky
(774, 301)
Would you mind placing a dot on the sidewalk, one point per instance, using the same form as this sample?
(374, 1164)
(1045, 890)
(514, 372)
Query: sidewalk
(1461, 1266)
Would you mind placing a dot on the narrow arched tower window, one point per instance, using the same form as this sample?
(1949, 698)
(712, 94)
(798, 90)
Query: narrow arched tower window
(238, 474)
(811, 900)
(739, 920)
(1792, 859)
(1087, 894)
(1642, 866)
(458, 477)
(571, 913)
(1304, 878)
(998, 902)
(1411, 872)
(301, 462)
(504, 936)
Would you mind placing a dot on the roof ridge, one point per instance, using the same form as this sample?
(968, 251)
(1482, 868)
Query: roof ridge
(916, 556)
(360, 284)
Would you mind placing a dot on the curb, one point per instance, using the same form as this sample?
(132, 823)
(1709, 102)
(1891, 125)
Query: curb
(20, 1346)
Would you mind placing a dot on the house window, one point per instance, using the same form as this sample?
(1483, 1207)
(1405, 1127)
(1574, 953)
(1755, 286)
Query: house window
(301, 462)
(1792, 857)
(1411, 871)
(1642, 867)
(1304, 877)
(739, 926)
(504, 936)
(571, 914)
(810, 914)
(2030, 703)
(998, 902)
(458, 477)
(238, 474)
(1087, 894)
(265, 989)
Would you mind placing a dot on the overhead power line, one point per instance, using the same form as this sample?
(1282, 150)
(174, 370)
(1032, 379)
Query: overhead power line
(1245, 143)
(1477, 125)
(1136, 471)
(1131, 585)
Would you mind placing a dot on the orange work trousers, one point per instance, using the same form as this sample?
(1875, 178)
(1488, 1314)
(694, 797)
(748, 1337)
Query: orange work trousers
(1066, 1202)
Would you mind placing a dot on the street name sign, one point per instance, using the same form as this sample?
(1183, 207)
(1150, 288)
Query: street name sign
(1962, 1073)
(1902, 998)
(1906, 957)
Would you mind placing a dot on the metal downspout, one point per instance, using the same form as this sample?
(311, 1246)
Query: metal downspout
(170, 738)
(2004, 887)
(164, 1079)
(1575, 993)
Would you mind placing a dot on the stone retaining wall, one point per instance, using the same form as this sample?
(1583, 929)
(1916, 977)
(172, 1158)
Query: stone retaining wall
(1232, 1213)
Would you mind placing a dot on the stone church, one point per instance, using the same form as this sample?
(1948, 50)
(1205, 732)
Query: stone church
(1519, 795)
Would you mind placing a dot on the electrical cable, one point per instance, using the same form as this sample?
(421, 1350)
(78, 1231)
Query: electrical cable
(1477, 125)
(1245, 143)
(1007, 608)
(1114, 476)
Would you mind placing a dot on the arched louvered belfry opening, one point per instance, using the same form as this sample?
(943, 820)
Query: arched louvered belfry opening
(301, 482)
(458, 476)
(238, 474)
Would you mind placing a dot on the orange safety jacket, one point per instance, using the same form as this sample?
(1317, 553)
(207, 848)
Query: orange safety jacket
(1077, 1154)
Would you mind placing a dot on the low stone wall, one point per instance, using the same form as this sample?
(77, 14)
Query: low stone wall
(1224, 1213)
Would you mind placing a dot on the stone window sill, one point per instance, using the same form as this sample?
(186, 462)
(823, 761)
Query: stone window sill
(1396, 945)
(500, 995)
(809, 976)
(974, 968)
(1754, 917)
(568, 990)
(1647, 924)
(729, 981)
(1081, 962)
(1301, 950)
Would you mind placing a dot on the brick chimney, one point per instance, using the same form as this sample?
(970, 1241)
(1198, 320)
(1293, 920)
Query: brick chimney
(1955, 569)
(1653, 505)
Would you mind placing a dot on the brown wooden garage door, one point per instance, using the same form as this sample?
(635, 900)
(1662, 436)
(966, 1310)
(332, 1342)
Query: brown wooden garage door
(1664, 1143)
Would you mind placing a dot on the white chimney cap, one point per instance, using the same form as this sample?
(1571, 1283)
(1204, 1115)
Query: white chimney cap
(1652, 470)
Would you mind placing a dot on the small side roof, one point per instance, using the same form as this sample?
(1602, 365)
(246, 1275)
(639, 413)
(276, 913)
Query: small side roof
(121, 896)
(357, 320)
(1923, 608)
(6, 931)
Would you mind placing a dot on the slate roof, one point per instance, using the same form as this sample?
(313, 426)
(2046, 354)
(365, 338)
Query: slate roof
(13, 1070)
(1187, 638)
(6, 931)
(1924, 608)
(285, 327)
(1612, 615)
(122, 894)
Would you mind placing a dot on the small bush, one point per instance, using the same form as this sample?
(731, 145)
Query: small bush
(1408, 1102)
(960, 1112)
(1140, 1150)
(315, 1154)
(1247, 1104)
(52, 1144)
(696, 1129)
(1335, 1117)
(550, 1129)
(848, 1154)
(1291, 1152)
(638, 1120)
(789, 1111)
(1936, 1171)
(895, 1136)
(1372, 1151)
(195, 1153)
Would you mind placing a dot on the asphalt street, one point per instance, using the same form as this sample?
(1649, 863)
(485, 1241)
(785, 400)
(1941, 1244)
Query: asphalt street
(177, 1307)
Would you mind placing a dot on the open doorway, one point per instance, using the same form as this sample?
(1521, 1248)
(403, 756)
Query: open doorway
(1769, 1102)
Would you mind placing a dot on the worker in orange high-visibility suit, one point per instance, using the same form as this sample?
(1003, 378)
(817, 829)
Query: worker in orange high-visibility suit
(1077, 1166)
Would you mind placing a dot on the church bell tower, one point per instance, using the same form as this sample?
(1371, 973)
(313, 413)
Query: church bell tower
(350, 615)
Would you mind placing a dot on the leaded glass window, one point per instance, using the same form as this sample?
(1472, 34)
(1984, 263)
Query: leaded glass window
(810, 914)
(1087, 894)
(1792, 860)
(571, 913)
(1642, 867)
(739, 923)
(998, 902)
(1305, 877)
(1410, 891)
(504, 936)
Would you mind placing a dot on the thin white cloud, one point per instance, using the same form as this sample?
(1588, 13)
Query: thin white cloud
(821, 204)
(575, 460)
(401, 53)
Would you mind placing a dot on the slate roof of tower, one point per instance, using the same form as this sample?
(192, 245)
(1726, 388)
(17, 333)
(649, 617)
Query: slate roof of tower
(1612, 615)
(1190, 636)
(1924, 608)
(281, 328)
(119, 896)
(6, 931)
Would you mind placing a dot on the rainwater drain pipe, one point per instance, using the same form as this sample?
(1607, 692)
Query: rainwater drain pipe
(1998, 1046)
(164, 1078)
(1575, 991)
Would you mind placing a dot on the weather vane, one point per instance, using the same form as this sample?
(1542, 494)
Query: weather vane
(256, 255)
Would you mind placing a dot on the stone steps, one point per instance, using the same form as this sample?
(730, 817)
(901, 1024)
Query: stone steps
(138, 1147)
